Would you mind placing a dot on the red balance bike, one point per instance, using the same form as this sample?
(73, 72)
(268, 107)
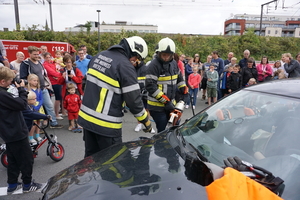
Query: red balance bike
(55, 150)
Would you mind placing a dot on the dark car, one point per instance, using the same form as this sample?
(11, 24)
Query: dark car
(259, 124)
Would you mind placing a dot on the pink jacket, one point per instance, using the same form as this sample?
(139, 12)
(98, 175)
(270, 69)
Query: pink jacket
(268, 71)
(194, 80)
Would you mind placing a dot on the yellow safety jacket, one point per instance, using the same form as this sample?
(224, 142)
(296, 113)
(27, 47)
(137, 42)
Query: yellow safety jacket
(162, 79)
(111, 81)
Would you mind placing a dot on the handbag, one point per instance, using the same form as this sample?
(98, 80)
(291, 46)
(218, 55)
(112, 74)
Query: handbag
(48, 84)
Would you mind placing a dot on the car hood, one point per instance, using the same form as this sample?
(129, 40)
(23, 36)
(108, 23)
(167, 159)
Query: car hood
(147, 168)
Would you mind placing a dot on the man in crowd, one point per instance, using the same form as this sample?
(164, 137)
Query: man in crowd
(32, 65)
(229, 56)
(82, 63)
(43, 50)
(244, 62)
(111, 81)
(219, 67)
(85, 54)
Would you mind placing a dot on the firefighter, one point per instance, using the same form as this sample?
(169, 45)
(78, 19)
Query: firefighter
(163, 78)
(111, 82)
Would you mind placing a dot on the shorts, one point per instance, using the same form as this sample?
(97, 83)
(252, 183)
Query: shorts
(72, 116)
(57, 92)
(211, 92)
(203, 83)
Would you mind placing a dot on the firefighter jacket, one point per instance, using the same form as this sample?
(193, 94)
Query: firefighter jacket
(162, 79)
(111, 81)
(141, 76)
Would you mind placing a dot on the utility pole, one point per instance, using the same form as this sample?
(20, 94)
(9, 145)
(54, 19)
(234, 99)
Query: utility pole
(16, 5)
(98, 11)
(51, 19)
(261, 13)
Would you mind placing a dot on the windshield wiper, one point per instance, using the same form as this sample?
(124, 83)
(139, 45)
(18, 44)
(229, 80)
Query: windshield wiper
(199, 154)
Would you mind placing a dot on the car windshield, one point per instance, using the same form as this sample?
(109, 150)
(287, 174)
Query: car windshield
(260, 128)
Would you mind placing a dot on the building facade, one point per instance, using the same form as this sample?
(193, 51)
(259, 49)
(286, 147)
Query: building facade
(272, 25)
(117, 27)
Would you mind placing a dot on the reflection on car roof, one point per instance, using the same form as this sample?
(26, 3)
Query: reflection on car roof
(285, 87)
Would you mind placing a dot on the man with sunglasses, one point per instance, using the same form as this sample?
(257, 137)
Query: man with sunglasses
(111, 81)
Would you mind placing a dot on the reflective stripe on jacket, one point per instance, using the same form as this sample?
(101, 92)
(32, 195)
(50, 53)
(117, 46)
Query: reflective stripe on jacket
(111, 81)
(162, 79)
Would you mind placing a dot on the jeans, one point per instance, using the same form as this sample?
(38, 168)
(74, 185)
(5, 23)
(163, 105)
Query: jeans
(48, 105)
(161, 119)
(192, 92)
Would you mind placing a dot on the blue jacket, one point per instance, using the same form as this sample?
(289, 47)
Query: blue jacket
(29, 115)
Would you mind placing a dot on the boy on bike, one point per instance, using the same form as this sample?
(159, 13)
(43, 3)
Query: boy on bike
(29, 114)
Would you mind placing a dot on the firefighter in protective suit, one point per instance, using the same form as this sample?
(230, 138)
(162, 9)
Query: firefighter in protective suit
(111, 81)
(163, 78)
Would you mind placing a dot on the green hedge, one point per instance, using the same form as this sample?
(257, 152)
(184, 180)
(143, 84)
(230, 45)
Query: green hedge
(259, 46)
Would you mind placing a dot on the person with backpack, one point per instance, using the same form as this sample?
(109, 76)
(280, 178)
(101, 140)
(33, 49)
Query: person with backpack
(70, 74)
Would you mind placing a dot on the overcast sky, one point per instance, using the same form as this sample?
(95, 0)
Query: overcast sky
(171, 16)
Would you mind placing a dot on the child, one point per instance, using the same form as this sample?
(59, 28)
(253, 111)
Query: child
(279, 74)
(58, 60)
(223, 80)
(212, 82)
(30, 115)
(234, 81)
(194, 81)
(72, 105)
(251, 81)
(34, 85)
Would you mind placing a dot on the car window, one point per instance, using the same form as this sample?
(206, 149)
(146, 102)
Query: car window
(260, 128)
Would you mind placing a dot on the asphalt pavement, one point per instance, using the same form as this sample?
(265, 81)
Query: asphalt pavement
(44, 168)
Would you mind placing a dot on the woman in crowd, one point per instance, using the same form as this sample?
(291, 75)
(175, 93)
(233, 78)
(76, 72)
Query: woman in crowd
(54, 75)
(291, 66)
(264, 70)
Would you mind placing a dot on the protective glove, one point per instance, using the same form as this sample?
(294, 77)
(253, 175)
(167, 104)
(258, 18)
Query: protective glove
(184, 90)
(148, 126)
(169, 106)
(163, 99)
(235, 163)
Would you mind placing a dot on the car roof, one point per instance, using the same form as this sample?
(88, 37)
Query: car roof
(284, 87)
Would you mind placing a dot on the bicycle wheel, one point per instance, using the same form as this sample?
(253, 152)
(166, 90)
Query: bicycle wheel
(56, 154)
(4, 159)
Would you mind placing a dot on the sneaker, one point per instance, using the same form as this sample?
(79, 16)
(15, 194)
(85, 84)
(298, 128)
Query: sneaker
(138, 128)
(186, 106)
(153, 131)
(12, 190)
(59, 118)
(32, 141)
(74, 130)
(39, 139)
(194, 107)
(56, 126)
(32, 187)
(79, 130)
